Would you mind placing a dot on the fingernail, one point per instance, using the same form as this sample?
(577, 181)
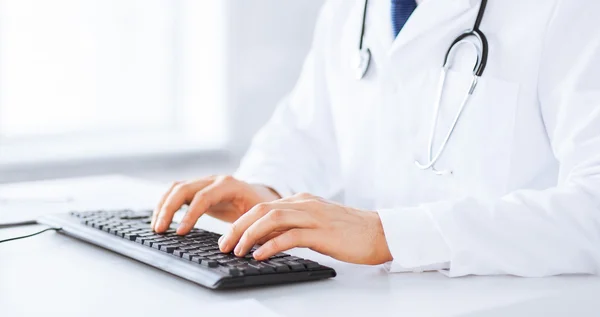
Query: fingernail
(182, 228)
(257, 253)
(220, 239)
(238, 250)
(223, 243)
(159, 224)
(223, 248)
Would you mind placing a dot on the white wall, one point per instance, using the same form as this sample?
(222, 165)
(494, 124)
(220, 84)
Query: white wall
(268, 42)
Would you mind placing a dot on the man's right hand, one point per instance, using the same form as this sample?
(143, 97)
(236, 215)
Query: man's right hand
(222, 197)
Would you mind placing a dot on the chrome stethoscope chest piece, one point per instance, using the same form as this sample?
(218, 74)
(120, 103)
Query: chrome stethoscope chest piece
(362, 60)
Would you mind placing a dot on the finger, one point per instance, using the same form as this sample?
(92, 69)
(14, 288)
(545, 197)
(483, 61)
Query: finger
(298, 197)
(268, 237)
(238, 227)
(180, 195)
(203, 200)
(275, 220)
(290, 239)
(161, 202)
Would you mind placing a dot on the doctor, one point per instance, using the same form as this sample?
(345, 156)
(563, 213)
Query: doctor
(469, 153)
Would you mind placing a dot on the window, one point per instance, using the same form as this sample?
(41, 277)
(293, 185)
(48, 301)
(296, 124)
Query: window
(93, 78)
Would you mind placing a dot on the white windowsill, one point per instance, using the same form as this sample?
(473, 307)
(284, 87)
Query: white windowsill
(99, 147)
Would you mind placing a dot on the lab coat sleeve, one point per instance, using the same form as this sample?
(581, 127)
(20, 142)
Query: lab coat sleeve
(529, 233)
(296, 150)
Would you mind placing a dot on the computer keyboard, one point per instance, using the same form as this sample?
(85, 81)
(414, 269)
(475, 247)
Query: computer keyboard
(195, 256)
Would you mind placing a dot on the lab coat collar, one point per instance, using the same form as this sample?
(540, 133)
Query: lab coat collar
(428, 14)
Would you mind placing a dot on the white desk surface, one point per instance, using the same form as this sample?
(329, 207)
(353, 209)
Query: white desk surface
(52, 275)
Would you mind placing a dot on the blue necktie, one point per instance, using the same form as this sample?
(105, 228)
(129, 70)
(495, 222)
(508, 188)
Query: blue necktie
(401, 11)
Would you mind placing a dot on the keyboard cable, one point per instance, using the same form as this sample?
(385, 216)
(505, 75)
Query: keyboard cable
(18, 224)
(24, 223)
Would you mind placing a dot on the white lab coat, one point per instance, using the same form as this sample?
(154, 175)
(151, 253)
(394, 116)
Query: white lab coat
(525, 191)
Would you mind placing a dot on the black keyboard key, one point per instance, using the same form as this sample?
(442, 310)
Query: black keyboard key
(225, 261)
(282, 260)
(143, 233)
(261, 267)
(158, 244)
(179, 252)
(198, 259)
(168, 249)
(178, 239)
(168, 233)
(117, 231)
(130, 236)
(253, 262)
(279, 267)
(136, 216)
(234, 272)
(230, 270)
(189, 248)
(210, 263)
(154, 243)
(295, 266)
(218, 256)
(309, 264)
(202, 253)
(136, 231)
(101, 225)
(89, 221)
(250, 271)
(141, 226)
(188, 255)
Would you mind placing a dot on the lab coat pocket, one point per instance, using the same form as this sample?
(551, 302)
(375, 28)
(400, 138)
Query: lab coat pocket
(479, 150)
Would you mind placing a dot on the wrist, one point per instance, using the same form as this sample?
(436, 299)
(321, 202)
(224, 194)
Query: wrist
(381, 249)
(267, 193)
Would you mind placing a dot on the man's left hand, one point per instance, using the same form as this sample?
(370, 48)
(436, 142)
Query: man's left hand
(303, 220)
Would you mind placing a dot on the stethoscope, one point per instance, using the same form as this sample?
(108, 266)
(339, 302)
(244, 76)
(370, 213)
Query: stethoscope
(481, 47)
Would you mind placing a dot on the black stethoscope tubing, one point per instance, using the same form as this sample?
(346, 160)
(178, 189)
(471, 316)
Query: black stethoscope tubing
(475, 31)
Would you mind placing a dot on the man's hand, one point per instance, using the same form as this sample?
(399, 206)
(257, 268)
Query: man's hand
(304, 220)
(222, 197)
